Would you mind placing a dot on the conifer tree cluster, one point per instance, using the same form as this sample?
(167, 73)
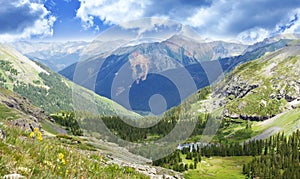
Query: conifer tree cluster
(174, 160)
(275, 157)
(280, 158)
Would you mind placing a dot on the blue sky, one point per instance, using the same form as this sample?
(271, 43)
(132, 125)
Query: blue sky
(67, 25)
(245, 20)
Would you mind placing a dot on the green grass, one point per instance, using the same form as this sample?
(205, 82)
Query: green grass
(6, 113)
(47, 127)
(237, 132)
(289, 122)
(55, 158)
(219, 167)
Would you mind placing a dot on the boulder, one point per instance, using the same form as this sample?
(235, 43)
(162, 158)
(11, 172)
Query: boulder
(2, 134)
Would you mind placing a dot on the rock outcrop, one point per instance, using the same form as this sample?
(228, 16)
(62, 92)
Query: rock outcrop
(238, 87)
(29, 116)
(263, 88)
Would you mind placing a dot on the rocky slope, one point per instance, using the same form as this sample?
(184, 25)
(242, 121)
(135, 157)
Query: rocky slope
(19, 111)
(262, 88)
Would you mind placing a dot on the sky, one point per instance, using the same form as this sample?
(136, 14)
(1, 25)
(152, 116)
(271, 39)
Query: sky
(59, 20)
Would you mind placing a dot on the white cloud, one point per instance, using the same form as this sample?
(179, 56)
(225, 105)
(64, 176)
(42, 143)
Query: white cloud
(39, 25)
(145, 24)
(248, 21)
(253, 35)
(295, 28)
(288, 25)
(110, 11)
(227, 19)
(204, 15)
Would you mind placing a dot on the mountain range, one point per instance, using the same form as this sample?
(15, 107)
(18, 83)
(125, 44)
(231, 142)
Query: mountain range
(205, 62)
(55, 55)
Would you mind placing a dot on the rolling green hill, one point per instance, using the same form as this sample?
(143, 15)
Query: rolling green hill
(47, 89)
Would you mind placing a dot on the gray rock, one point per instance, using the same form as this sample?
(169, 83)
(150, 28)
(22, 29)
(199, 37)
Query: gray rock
(2, 134)
(26, 124)
(237, 87)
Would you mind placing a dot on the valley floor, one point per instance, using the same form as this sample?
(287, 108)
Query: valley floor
(219, 167)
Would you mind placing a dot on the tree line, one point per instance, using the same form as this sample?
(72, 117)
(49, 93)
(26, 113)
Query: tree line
(275, 157)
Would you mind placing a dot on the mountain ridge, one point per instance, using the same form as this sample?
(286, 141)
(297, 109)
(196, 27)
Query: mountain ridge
(56, 55)
(163, 57)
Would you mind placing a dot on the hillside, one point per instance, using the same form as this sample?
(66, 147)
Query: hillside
(45, 156)
(34, 146)
(18, 111)
(263, 88)
(47, 89)
(263, 93)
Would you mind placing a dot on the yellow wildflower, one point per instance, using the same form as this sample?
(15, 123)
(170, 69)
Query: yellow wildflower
(40, 136)
(67, 172)
(48, 163)
(36, 130)
(63, 161)
(61, 156)
(37, 133)
(31, 135)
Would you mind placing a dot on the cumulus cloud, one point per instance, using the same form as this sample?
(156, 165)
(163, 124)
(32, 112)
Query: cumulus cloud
(145, 24)
(247, 19)
(22, 19)
(290, 25)
(110, 11)
(122, 11)
(287, 25)
(233, 17)
(253, 35)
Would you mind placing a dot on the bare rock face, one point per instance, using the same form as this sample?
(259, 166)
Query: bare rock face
(294, 104)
